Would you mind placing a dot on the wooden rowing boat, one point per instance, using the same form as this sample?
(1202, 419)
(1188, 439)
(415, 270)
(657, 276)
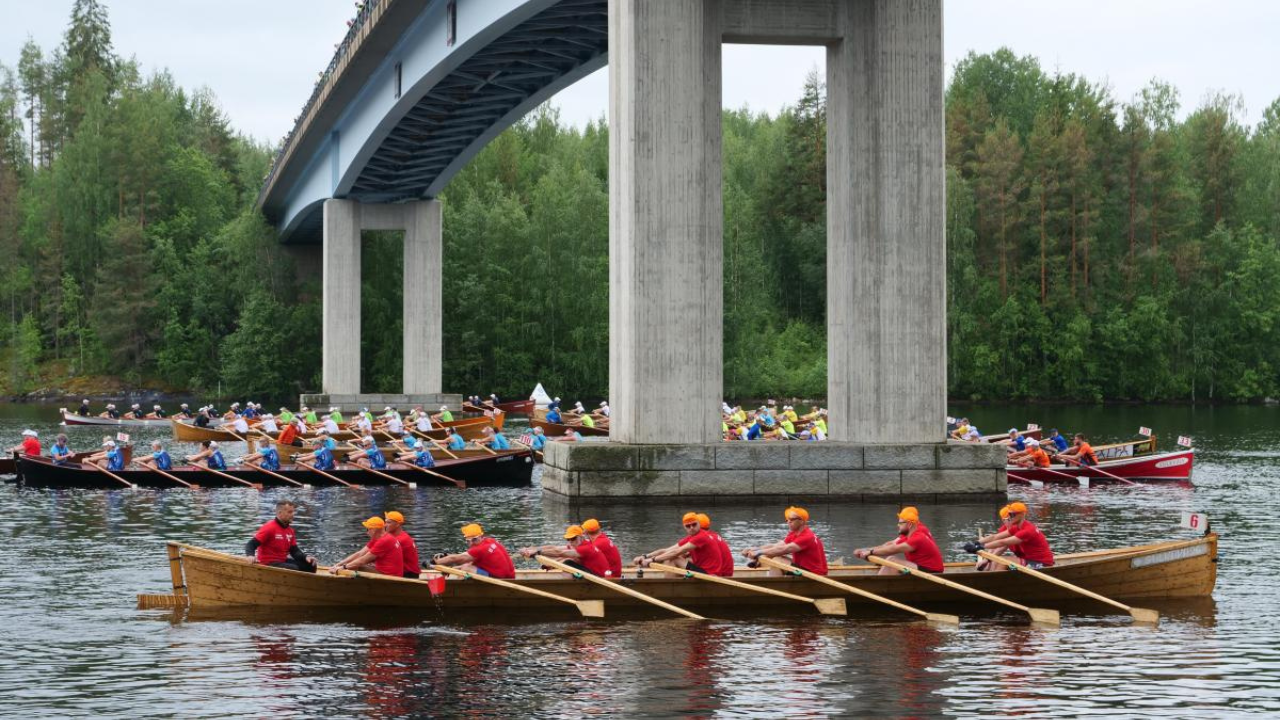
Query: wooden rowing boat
(554, 430)
(510, 468)
(70, 418)
(1165, 466)
(9, 464)
(288, 452)
(515, 407)
(470, 428)
(205, 578)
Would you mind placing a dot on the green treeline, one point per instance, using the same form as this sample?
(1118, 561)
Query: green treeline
(1096, 249)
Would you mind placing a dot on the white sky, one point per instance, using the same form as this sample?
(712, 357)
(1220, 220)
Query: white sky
(261, 57)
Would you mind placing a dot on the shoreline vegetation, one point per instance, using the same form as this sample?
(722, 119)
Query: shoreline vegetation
(1099, 249)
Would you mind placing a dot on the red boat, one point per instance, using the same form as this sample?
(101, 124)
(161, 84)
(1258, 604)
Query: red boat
(1165, 466)
(515, 407)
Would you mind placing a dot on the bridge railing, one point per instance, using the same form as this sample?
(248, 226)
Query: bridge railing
(367, 14)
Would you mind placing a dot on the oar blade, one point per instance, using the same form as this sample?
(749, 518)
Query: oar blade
(831, 606)
(942, 618)
(591, 608)
(167, 600)
(1045, 616)
(1145, 616)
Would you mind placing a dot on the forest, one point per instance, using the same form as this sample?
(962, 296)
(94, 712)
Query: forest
(1098, 248)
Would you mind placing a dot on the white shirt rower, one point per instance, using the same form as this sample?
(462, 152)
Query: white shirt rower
(424, 422)
(394, 426)
(330, 425)
(240, 425)
(268, 424)
(363, 423)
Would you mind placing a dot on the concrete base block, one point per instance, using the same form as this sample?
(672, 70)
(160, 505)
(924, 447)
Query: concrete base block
(739, 471)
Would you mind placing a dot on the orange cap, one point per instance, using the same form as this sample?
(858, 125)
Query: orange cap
(1004, 513)
(592, 525)
(689, 517)
(374, 522)
(394, 515)
(909, 514)
(572, 532)
(1017, 507)
(801, 512)
(704, 520)
(472, 530)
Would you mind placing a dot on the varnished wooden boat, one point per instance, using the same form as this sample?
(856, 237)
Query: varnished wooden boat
(510, 468)
(288, 452)
(515, 407)
(468, 427)
(1177, 569)
(554, 430)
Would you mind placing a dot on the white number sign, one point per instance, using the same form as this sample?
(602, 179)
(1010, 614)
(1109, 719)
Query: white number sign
(1195, 521)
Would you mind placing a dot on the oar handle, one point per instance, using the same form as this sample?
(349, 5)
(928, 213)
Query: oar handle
(943, 581)
(1049, 578)
(502, 583)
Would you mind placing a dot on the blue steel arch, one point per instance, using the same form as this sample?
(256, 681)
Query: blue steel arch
(366, 144)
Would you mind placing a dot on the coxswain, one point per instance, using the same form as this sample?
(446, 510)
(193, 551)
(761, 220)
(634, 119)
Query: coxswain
(159, 458)
(110, 413)
(110, 458)
(408, 547)
(266, 458)
(1081, 453)
(184, 412)
(382, 554)
(800, 547)
(455, 440)
(494, 440)
(570, 435)
(483, 556)
(914, 547)
(579, 553)
(696, 551)
(591, 528)
(211, 455)
(83, 410)
(30, 444)
(276, 544)
(60, 452)
(1019, 536)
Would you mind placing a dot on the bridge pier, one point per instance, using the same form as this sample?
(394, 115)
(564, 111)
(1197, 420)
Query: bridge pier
(344, 221)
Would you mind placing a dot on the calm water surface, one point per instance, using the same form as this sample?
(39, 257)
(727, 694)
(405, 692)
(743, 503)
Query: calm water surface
(76, 646)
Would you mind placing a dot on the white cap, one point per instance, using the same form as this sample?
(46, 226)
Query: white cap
(557, 399)
(110, 406)
(537, 431)
(108, 442)
(386, 409)
(157, 407)
(213, 443)
(135, 405)
(492, 395)
(29, 433)
(366, 439)
(604, 403)
(443, 408)
(1013, 430)
(333, 409)
(1033, 442)
(235, 404)
(269, 416)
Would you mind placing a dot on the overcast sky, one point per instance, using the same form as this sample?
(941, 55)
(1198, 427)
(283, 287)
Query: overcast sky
(261, 57)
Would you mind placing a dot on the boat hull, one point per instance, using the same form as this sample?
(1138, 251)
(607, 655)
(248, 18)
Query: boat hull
(1165, 466)
(470, 428)
(1179, 569)
(509, 469)
(70, 418)
(515, 407)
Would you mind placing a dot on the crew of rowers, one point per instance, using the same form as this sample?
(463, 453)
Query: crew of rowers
(768, 423)
(390, 551)
(135, 412)
(1029, 452)
(579, 416)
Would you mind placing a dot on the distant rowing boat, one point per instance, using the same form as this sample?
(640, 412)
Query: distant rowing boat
(70, 418)
(1165, 466)
(469, 428)
(205, 578)
(515, 407)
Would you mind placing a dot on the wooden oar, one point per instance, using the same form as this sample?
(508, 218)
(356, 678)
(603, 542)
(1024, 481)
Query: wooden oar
(278, 476)
(486, 447)
(1093, 468)
(334, 478)
(232, 478)
(436, 443)
(112, 475)
(462, 485)
(588, 608)
(931, 617)
(178, 480)
(615, 587)
(826, 606)
(392, 478)
(1038, 615)
(1142, 615)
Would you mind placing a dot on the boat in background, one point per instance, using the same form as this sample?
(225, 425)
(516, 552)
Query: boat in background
(515, 407)
(554, 430)
(469, 428)
(70, 418)
(1164, 466)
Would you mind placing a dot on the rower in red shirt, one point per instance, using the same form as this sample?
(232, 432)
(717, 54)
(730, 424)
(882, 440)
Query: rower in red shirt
(483, 556)
(726, 555)
(697, 551)
(579, 553)
(591, 528)
(395, 528)
(382, 554)
(30, 444)
(1018, 536)
(800, 547)
(914, 547)
(276, 543)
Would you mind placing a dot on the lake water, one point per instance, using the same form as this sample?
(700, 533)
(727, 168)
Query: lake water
(76, 646)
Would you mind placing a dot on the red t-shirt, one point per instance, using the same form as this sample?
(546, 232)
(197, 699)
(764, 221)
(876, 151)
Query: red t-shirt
(811, 556)
(490, 556)
(287, 435)
(410, 550)
(274, 542)
(611, 554)
(726, 555)
(1034, 545)
(706, 552)
(592, 559)
(924, 551)
(30, 446)
(388, 558)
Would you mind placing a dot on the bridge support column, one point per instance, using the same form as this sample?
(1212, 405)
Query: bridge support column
(665, 220)
(886, 204)
(340, 369)
(423, 298)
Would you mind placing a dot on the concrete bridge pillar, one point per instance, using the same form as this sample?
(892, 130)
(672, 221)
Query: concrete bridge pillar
(344, 220)
(665, 220)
